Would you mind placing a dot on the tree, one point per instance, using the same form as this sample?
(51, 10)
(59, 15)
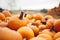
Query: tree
(44, 10)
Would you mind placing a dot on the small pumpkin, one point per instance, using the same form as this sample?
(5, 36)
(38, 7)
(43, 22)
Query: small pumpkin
(47, 17)
(26, 32)
(29, 16)
(42, 27)
(7, 13)
(37, 23)
(2, 17)
(49, 23)
(38, 16)
(57, 25)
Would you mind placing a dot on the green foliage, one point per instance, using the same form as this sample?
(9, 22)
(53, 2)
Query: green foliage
(44, 10)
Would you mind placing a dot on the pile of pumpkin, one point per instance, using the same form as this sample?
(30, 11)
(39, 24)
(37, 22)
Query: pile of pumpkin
(28, 27)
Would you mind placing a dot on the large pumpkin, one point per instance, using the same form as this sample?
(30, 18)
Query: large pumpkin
(16, 22)
(46, 36)
(8, 34)
(26, 32)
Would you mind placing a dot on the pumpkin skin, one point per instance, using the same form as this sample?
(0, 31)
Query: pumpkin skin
(47, 31)
(46, 36)
(6, 13)
(57, 25)
(26, 32)
(58, 39)
(29, 17)
(38, 38)
(57, 35)
(42, 27)
(3, 24)
(38, 16)
(35, 29)
(37, 23)
(2, 17)
(49, 23)
(8, 34)
(16, 23)
(47, 17)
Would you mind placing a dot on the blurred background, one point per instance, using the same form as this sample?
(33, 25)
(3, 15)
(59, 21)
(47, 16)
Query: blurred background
(51, 7)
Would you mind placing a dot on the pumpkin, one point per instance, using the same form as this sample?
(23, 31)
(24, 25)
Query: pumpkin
(57, 25)
(0, 21)
(37, 23)
(47, 17)
(49, 23)
(38, 16)
(58, 39)
(38, 38)
(8, 34)
(26, 32)
(17, 22)
(35, 29)
(2, 17)
(7, 13)
(57, 35)
(46, 36)
(3, 24)
(29, 16)
(47, 31)
(42, 27)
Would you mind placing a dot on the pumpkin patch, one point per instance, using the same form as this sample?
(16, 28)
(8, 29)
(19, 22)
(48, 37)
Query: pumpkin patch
(28, 27)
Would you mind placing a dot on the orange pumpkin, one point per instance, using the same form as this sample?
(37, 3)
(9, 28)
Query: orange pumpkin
(42, 27)
(47, 17)
(17, 22)
(46, 36)
(57, 25)
(47, 31)
(49, 23)
(38, 16)
(0, 21)
(3, 24)
(2, 17)
(29, 16)
(26, 32)
(58, 39)
(8, 34)
(37, 23)
(38, 38)
(6, 13)
(57, 35)
(35, 29)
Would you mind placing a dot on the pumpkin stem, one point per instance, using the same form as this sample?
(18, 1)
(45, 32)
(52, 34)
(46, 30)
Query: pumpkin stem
(43, 23)
(51, 28)
(21, 15)
(25, 15)
(1, 9)
(46, 18)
